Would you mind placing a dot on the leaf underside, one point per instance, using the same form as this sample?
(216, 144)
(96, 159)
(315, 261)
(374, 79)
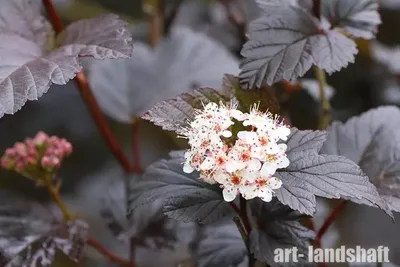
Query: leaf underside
(29, 63)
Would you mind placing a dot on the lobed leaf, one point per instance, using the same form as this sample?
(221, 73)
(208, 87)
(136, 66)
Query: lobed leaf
(173, 114)
(219, 244)
(334, 51)
(184, 197)
(278, 227)
(372, 141)
(30, 236)
(360, 18)
(29, 63)
(146, 227)
(286, 41)
(313, 174)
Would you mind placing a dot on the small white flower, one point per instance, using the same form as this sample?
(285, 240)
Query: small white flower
(242, 164)
(238, 115)
(249, 138)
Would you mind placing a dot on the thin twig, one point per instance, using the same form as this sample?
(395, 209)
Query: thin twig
(242, 231)
(317, 8)
(55, 194)
(137, 167)
(107, 253)
(235, 207)
(244, 215)
(329, 220)
(169, 21)
(325, 107)
(88, 97)
(154, 10)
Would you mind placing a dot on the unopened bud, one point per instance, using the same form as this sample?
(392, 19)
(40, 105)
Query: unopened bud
(7, 163)
(20, 149)
(40, 138)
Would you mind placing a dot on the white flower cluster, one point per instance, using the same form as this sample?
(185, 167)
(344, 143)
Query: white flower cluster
(244, 163)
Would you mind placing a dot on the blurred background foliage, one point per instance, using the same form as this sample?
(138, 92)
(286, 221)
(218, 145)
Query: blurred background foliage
(61, 112)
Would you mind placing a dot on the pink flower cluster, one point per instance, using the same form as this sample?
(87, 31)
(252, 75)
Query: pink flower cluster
(36, 155)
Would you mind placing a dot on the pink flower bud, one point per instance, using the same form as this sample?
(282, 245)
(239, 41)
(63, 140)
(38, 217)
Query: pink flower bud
(40, 138)
(6, 163)
(67, 147)
(45, 161)
(50, 162)
(10, 152)
(32, 152)
(53, 140)
(20, 149)
(20, 165)
(31, 160)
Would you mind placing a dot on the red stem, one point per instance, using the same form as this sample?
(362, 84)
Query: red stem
(317, 8)
(109, 254)
(329, 220)
(107, 134)
(234, 207)
(136, 168)
(87, 95)
(54, 18)
(244, 215)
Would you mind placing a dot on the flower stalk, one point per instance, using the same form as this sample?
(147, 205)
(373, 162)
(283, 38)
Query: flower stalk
(325, 107)
(107, 134)
(87, 95)
(54, 191)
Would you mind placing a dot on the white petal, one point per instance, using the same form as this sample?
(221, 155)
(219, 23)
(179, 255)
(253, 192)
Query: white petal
(187, 168)
(207, 164)
(249, 176)
(226, 133)
(257, 152)
(249, 137)
(265, 194)
(247, 122)
(283, 132)
(253, 165)
(222, 177)
(268, 169)
(274, 183)
(283, 162)
(272, 148)
(225, 123)
(238, 115)
(188, 155)
(282, 147)
(232, 166)
(248, 191)
(229, 194)
(211, 106)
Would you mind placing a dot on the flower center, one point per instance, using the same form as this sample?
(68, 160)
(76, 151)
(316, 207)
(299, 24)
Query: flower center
(220, 160)
(245, 156)
(235, 180)
(261, 182)
(263, 141)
